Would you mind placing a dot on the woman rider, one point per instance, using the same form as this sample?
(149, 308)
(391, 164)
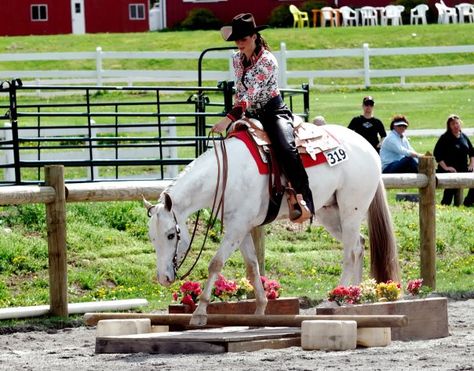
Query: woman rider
(257, 95)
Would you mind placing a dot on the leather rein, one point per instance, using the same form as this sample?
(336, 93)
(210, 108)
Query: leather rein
(217, 205)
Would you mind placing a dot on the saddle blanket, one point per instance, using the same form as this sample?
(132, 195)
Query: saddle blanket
(306, 159)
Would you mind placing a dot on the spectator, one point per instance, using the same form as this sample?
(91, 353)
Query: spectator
(396, 153)
(370, 127)
(454, 153)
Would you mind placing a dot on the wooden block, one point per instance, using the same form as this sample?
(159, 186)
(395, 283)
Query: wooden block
(229, 339)
(427, 318)
(111, 327)
(328, 335)
(374, 336)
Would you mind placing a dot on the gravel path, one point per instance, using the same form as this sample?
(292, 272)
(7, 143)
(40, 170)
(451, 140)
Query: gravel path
(73, 349)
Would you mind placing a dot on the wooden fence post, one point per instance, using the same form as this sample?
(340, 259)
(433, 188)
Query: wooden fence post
(56, 224)
(427, 214)
(258, 237)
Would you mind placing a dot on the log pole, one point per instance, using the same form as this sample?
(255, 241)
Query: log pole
(91, 319)
(427, 217)
(56, 225)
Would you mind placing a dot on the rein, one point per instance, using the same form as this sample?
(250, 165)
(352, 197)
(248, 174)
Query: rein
(217, 205)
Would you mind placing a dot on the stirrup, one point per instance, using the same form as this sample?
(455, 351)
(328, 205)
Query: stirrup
(299, 211)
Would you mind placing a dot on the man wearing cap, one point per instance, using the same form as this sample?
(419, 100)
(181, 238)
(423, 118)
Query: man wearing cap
(257, 95)
(397, 154)
(370, 127)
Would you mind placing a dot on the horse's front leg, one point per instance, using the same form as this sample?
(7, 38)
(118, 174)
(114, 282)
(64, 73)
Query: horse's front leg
(199, 317)
(247, 249)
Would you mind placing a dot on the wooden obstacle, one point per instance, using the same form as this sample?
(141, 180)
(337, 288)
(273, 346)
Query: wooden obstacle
(386, 320)
(220, 340)
(427, 318)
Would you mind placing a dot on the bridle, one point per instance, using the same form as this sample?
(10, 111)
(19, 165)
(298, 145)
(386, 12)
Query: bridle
(217, 205)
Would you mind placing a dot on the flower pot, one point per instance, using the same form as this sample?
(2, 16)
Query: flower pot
(275, 306)
(427, 318)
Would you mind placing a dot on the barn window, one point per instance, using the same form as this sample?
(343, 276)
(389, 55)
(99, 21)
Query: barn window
(136, 11)
(39, 12)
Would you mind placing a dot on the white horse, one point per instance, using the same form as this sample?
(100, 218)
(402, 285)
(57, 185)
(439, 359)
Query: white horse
(344, 195)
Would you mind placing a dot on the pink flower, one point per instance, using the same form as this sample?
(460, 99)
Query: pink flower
(414, 286)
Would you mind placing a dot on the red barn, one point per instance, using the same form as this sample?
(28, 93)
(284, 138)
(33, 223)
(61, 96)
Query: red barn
(50, 17)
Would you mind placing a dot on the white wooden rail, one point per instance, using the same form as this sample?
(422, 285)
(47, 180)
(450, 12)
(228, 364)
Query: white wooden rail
(56, 194)
(99, 75)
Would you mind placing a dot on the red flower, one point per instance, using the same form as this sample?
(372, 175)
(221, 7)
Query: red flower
(414, 286)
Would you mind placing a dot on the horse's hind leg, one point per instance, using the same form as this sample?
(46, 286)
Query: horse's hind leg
(348, 233)
(253, 273)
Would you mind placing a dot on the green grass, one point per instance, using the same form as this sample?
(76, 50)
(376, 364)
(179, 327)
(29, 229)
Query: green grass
(109, 255)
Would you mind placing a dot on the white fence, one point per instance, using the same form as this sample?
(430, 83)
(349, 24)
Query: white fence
(99, 75)
(84, 154)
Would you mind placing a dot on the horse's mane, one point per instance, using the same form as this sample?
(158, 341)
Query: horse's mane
(184, 172)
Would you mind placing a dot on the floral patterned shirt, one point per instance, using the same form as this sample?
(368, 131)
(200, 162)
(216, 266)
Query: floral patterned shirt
(256, 84)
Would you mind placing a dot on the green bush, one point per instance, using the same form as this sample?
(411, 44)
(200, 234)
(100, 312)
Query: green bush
(201, 19)
(281, 17)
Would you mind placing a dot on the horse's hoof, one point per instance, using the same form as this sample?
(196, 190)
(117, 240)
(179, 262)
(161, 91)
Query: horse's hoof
(198, 320)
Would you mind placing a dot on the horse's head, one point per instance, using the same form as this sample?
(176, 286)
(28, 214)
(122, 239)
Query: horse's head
(168, 238)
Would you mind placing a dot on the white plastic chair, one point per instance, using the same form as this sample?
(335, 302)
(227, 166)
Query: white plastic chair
(328, 15)
(465, 10)
(393, 14)
(418, 13)
(446, 14)
(349, 16)
(368, 16)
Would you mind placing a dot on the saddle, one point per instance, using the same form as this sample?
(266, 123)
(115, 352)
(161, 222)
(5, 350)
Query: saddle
(310, 140)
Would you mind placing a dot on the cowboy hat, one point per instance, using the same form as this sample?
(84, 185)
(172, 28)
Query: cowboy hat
(242, 25)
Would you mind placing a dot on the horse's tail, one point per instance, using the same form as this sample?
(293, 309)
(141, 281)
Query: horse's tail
(384, 263)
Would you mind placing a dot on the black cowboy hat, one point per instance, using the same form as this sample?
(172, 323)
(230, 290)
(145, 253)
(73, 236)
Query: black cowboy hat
(242, 25)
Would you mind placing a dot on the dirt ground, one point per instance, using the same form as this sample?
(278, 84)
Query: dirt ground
(73, 349)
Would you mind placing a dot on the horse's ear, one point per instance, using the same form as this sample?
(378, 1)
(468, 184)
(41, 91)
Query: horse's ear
(168, 202)
(148, 206)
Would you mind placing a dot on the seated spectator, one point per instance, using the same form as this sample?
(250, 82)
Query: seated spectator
(454, 153)
(369, 126)
(396, 152)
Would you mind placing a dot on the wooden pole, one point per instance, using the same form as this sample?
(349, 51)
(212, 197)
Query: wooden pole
(258, 237)
(56, 224)
(427, 215)
(91, 319)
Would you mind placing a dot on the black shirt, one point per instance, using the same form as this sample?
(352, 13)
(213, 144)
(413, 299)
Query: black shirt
(370, 129)
(453, 151)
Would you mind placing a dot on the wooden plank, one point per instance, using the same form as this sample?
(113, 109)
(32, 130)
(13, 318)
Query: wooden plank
(91, 319)
(427, 318)
(252, 346)
(106, 345)
(201, 341)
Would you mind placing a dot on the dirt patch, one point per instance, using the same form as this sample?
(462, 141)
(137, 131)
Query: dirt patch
(73, 348)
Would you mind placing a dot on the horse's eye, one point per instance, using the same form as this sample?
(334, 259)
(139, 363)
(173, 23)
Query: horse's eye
(170, 236)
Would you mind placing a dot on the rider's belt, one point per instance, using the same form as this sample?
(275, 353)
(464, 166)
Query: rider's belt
(259, 109)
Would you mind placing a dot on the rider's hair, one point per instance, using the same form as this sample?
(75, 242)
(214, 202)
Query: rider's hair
(261, 42)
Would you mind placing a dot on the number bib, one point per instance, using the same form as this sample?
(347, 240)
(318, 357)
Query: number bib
(335, 156)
